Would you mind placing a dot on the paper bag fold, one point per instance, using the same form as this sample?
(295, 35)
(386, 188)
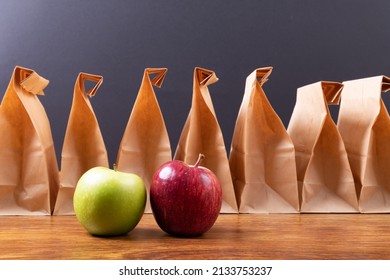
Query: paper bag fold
(324, 175)
(83, 146)
(364, 125)
(28, 165)
(202, 134)
(262, 156)
(145, 144)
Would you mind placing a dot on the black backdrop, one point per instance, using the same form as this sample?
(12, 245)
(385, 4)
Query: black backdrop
(304, 40)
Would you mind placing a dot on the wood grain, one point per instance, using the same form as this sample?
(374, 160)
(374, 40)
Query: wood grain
(244, 236)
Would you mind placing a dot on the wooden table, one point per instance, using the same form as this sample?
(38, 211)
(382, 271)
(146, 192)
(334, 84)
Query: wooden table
(234, 236)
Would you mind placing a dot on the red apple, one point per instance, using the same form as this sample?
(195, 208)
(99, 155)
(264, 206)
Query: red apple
(185, 200)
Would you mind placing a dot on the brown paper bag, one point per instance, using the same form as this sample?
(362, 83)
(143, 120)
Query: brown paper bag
(202, 134)
(83, 146)
(145, 144)
(364, 125)
(262, 156)
(28, 164)
(324, 176)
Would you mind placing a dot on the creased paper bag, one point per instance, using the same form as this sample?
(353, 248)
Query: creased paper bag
(202, 134)
(83, 146)
(28, 164)
(364, 125)
(324, 176)
(262, 156)
(145, 145)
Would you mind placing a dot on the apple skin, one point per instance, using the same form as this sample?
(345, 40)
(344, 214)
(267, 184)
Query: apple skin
(108, 202)
(185, 200)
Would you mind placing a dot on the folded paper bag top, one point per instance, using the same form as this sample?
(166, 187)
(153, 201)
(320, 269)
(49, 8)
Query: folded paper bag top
(325, 178)
(262, 156)
(83, 146)
(364, 125)
(28, 165)
(145, 144)
(202, 134)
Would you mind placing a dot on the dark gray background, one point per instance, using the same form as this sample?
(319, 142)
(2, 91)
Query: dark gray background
(304, 40)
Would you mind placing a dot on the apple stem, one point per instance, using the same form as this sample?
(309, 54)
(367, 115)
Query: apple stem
(200, 158)
(115, 167)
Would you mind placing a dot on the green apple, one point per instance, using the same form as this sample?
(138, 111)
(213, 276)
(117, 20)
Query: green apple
(108, 202)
